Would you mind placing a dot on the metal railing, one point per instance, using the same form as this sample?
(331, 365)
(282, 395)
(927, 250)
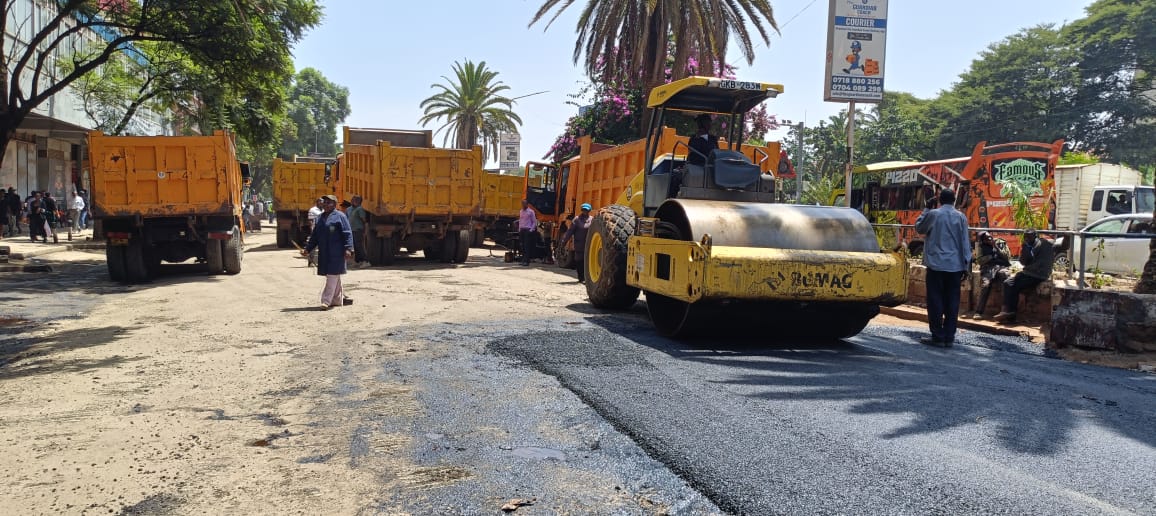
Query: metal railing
(1084, 236)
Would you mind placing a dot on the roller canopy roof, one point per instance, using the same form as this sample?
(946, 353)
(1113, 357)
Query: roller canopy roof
(712, 95)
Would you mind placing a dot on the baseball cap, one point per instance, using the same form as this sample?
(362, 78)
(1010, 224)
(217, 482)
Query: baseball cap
(586, 206)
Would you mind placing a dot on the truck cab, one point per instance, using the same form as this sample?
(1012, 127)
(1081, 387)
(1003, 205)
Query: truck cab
(1120, 200)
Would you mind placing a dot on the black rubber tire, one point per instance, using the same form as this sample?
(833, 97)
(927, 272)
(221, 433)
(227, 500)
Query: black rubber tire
(615, 225)
(432, 252)
(283, 239)
(449, 247)
(388, 250)
(214, 256)
(478, 238)
(135, 266)
(232, 253)
(564, 258)
(114, 256)
(465, 236)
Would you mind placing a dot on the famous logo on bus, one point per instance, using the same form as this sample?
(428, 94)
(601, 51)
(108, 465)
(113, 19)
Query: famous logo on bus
(1028, 174)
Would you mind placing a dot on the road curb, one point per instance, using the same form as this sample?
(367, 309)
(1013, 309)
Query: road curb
(24, 255)
(25, 268)
(913, 314)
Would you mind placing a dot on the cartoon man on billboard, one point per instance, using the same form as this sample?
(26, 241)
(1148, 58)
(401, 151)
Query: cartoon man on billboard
(854, 57)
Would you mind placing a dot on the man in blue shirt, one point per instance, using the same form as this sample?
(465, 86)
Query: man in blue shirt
(334, 241)
(947, 256)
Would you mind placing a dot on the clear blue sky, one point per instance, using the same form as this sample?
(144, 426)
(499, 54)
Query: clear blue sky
(388, 53)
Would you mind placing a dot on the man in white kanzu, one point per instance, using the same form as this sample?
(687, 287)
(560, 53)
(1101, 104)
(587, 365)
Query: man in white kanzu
(947, 256)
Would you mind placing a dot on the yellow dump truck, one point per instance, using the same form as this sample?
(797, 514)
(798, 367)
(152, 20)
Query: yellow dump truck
(297, 185)
(418, 197)
(501, 201)
(714, 254)
(167, 199)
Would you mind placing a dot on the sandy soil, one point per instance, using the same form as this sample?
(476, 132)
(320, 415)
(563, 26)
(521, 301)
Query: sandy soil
(201, 395)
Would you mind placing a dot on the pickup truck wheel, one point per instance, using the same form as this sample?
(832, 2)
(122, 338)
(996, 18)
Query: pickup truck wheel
(605, 263)
(136, 268)
(233, 253)
(214, 256)
(114, 256)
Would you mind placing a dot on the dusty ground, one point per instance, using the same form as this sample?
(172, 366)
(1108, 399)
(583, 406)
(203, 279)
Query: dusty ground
(229, 394)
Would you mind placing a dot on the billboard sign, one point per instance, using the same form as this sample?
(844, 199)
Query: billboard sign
(509, 150)
(856, 46)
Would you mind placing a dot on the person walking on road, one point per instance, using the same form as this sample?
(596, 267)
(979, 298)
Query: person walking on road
(357, 223)
(12, 208)
(579, 226)
(334, 243)
(50, 216)
(76, 211)
(1037, 256)
(36, 220)
(527, 226)
(947, 256)
(994, 259)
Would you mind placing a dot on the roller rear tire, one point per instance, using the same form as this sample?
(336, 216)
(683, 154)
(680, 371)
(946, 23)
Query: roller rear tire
(606, 248)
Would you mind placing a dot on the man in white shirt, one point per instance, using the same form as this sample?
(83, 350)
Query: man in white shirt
(75, 210)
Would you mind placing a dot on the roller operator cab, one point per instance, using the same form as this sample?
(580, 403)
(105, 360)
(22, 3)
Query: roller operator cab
(700, 235)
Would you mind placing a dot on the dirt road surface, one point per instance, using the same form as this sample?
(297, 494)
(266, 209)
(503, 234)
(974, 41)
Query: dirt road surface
(236, 395)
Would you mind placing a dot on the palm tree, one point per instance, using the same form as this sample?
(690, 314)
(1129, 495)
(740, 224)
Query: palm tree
(472, 107)
(627, 39)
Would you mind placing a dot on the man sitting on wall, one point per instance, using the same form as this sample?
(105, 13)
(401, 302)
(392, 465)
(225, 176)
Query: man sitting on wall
(1036, 256)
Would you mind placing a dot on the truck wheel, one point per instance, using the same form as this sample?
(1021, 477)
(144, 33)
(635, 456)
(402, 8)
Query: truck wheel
(214, 256)
(432, 252)
(465, 236)
(449, 247)
(373, 249)
(564, 257)
(136, 269)
(478, 238)
(283, 239)
(388, 250)
(233, 253)
(605, 263)
(114, 256)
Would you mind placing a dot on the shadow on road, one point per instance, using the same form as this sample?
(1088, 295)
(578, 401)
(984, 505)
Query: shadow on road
(1027, 404)
(23, 355)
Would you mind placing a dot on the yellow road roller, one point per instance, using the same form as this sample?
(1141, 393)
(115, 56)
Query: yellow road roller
(701, 235)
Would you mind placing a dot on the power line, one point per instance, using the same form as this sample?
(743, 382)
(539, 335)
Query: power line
(808, 6)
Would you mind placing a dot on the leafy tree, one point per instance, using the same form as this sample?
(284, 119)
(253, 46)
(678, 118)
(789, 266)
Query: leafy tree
(1020, 89)
(243, 45)
(898, 128)
(316, 107)
(631, 41)
(473, 108)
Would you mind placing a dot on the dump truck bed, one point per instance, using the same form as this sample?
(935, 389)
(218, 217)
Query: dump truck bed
(502, 195)
(164, 176)
(297, 185)
(413, 181)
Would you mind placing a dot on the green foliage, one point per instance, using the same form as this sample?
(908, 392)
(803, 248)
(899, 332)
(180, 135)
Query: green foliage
(818, 191)
(627, 41)
(1078, 158)
(1099, 279)
(316, 107)
(1020, 89)
(1024, 214)
(473, 108)
(233, 54)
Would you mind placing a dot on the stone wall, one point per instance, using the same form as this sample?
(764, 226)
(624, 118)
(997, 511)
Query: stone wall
(1035, 305)
(1118, 321)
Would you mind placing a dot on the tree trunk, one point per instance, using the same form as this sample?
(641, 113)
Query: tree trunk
(1147, 283)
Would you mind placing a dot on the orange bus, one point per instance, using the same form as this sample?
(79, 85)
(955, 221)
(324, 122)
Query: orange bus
(895, 192)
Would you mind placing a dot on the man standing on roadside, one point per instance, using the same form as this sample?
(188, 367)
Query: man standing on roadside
(1037, 256)
(579, 226)
(75, 211)
(357, 222)
(947, 256)
(12, 208)
(334, 243)
(527, 227)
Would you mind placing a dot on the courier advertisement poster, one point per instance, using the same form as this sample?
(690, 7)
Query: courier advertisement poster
(856, 44)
